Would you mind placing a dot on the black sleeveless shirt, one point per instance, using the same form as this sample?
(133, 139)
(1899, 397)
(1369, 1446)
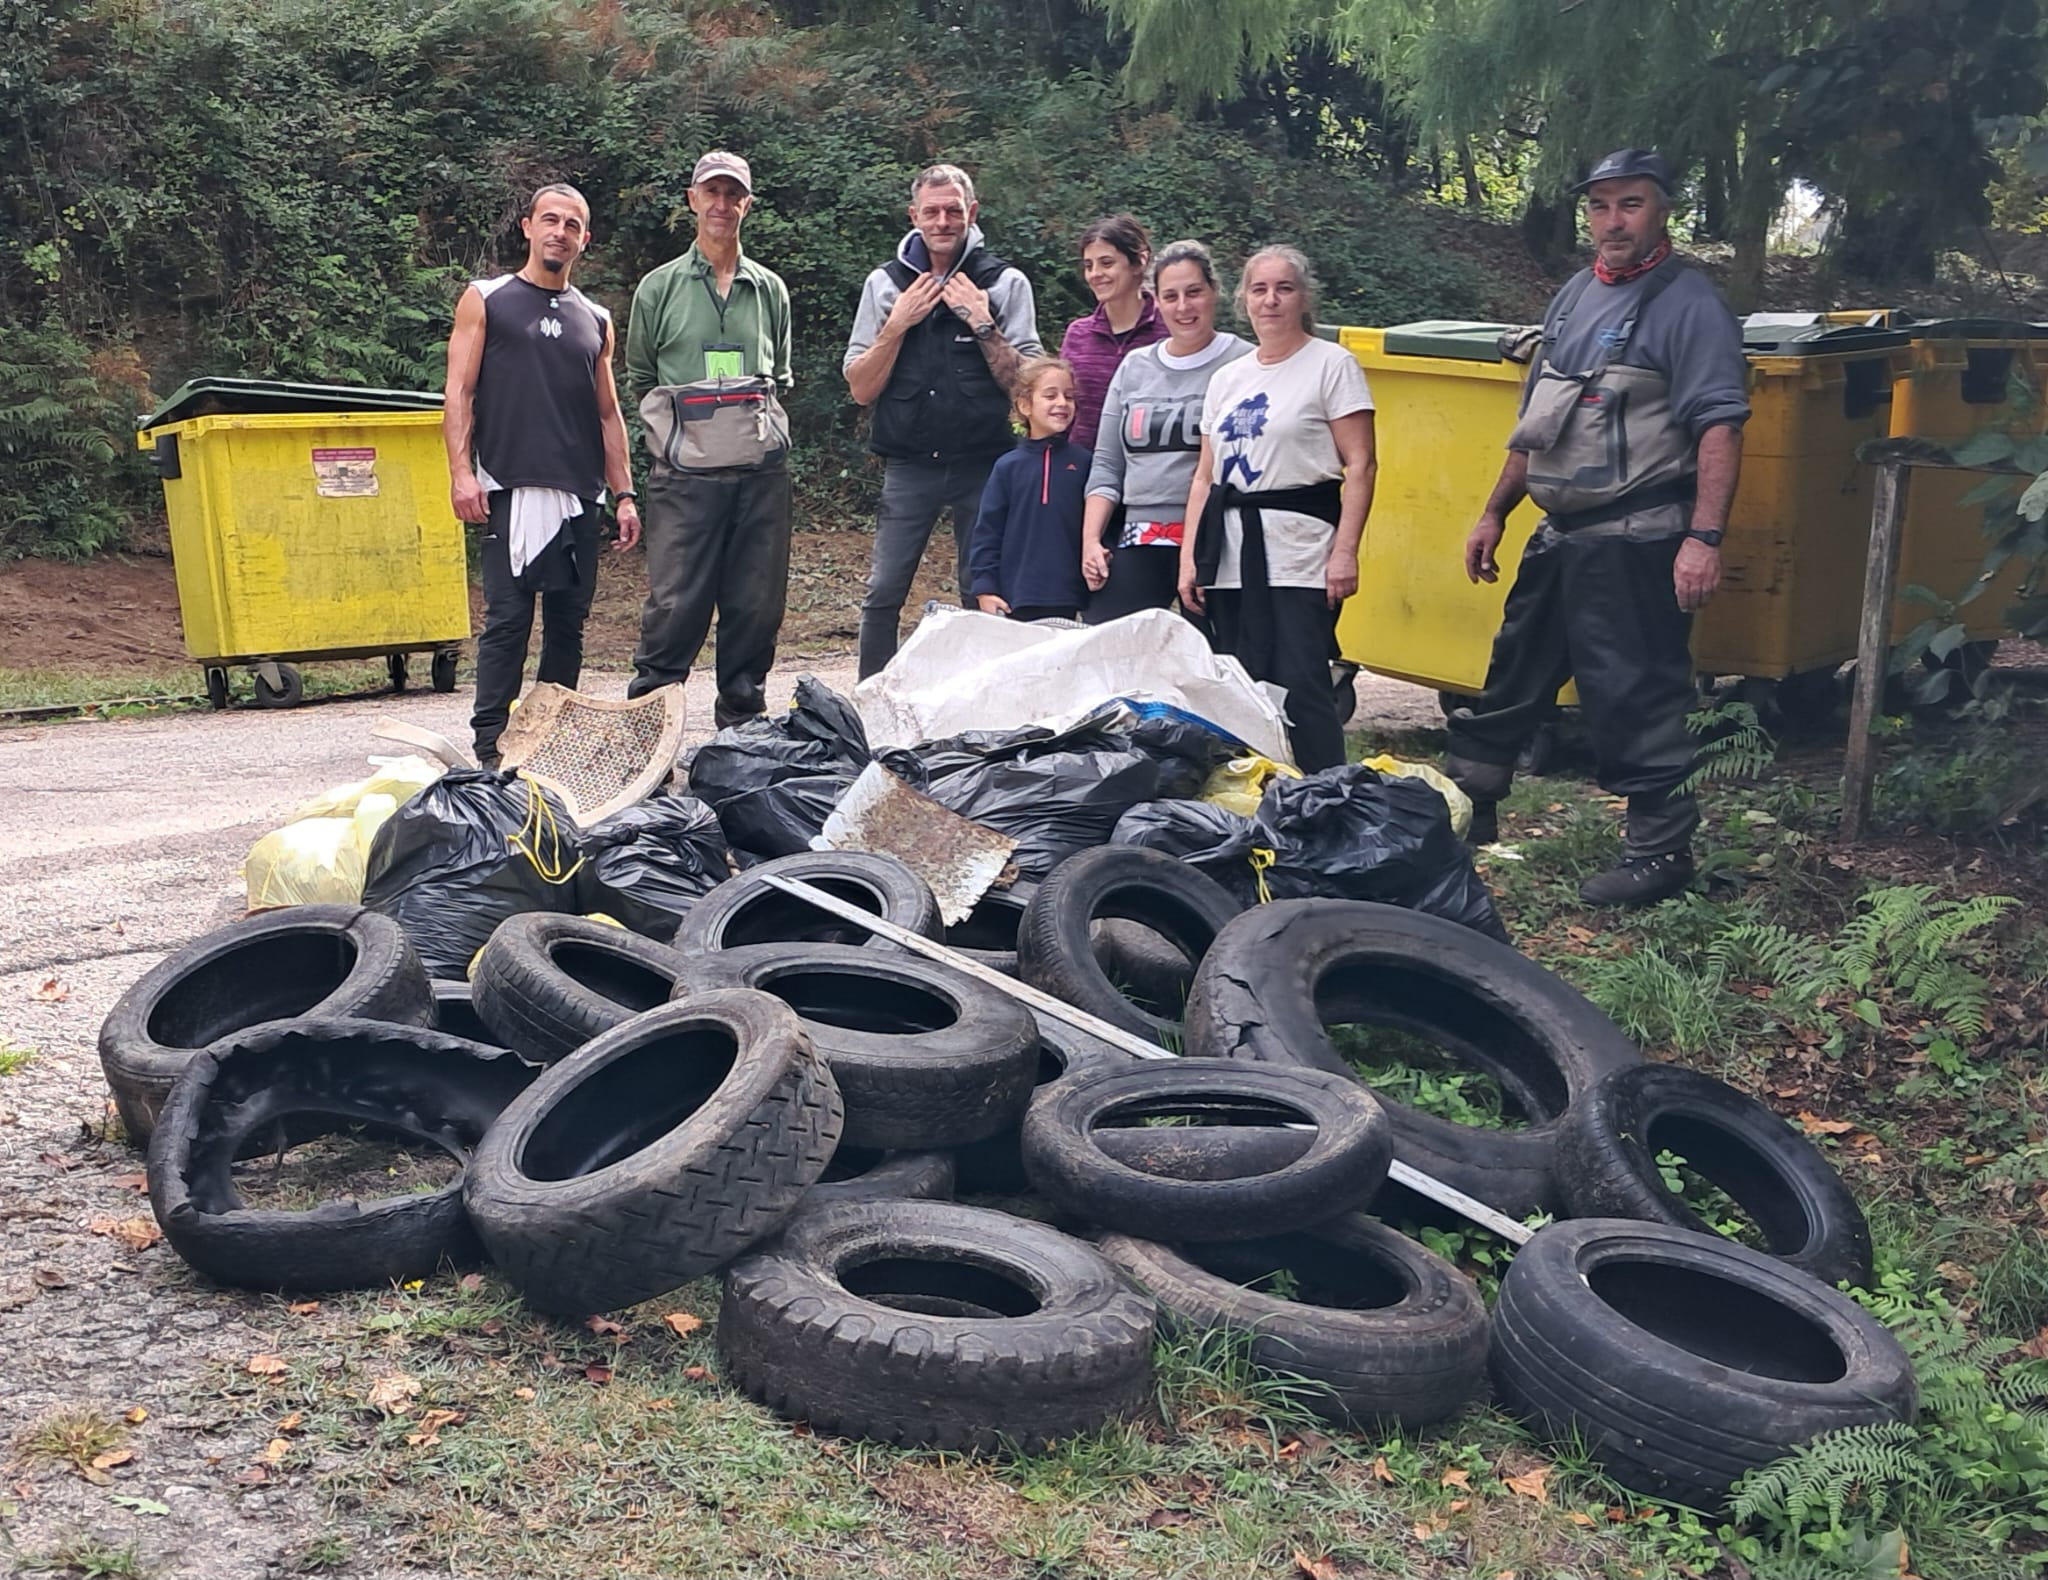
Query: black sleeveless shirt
(536, 393)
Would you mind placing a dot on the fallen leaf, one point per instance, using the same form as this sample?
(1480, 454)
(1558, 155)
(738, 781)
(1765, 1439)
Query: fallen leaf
(57, 1160)
(522, 1393)
(139, 1183)
(1457, 1478)
(394, 1394)
(112, 1457)
(264, 1366)
(1166, 1519)
(250, 1476)
(1616, 1514)
(1580, 935)
(138, 1234)
(1529, 1483)
(1380, 1470)
(682, 1323)
(604, 1327)
(275, 1450)
(698, 1374)
(303, 1308)
(470, 1283)
(2036, 1348)
(1786, 1091)
(136, 1416)
(1580, 1517)
(434, 1420)
(1978, 1159)
(661, 1404)
(139, 1505)
(1814, 1125)
(1460, 1505)
(1424, 1530)
(52, 991)
(1315, 1568)
(292, 1422)
(50, 1278)
(491, 1327)
(598, 1374)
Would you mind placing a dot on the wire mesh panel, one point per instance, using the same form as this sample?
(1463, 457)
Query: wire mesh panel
(598, 756)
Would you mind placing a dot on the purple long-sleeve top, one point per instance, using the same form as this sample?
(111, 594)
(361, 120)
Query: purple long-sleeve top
(1093, 350)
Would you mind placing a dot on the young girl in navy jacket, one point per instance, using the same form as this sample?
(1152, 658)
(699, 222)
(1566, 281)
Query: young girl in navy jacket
(1025, 556)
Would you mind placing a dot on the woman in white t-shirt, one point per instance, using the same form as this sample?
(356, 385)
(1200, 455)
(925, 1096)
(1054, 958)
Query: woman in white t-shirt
(1281, 493)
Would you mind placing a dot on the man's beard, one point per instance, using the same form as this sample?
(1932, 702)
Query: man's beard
(553, 265)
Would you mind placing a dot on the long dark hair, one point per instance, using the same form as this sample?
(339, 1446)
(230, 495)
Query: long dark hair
(1123, 232)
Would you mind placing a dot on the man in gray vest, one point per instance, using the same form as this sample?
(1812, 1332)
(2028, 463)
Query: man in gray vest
(939, 333)
(535, 439)
(1630, 440)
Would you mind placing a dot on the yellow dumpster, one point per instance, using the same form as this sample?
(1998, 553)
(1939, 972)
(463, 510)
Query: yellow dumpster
(1792, 559)
(1964, 375)
(309, 522)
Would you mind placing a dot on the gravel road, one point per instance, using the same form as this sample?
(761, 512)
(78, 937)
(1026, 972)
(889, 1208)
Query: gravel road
(119, 841)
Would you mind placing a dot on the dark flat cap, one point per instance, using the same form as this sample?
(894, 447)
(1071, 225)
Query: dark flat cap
(1627, 163)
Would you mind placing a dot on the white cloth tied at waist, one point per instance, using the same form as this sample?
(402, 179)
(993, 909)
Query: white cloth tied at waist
(532, 519)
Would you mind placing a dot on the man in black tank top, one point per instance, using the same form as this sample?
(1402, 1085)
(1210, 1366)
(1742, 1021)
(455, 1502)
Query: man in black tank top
(535, 441)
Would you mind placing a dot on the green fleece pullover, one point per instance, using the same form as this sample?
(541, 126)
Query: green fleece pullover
(677, 314)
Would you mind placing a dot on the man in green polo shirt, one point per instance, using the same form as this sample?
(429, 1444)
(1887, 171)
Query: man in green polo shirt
(716, 540)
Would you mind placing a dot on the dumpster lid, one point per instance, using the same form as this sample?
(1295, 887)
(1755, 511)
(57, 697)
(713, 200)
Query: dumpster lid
(207, 397)
(1978, 329)
(1462, 338)
(1811, 335)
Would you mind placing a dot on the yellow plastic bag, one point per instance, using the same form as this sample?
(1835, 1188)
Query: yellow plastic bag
(401, 778)
(1239, 783)
(1460, 803)
(321, 855)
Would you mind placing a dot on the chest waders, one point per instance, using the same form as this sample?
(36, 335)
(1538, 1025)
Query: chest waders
(1593, 599)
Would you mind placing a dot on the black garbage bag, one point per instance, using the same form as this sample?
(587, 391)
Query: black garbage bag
(1348, 833)
(820, 734)
(646, 865)
(1187, 748)
(1054, 793)
(468, 851)
(780, 819)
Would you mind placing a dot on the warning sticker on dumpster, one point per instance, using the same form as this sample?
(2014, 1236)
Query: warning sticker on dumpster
(345, 474)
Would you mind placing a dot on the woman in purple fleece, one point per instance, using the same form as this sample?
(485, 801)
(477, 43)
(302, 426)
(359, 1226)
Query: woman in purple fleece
(1115, 253)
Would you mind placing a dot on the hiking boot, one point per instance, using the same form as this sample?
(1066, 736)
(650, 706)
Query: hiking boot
(725, 715)
(1485, 829)
(1640, 880)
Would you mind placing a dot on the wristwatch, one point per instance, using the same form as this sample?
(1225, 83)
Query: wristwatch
(1711, 537)
(985, 330)
(625, 493)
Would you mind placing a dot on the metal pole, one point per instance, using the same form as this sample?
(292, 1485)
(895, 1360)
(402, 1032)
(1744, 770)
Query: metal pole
(1128, 1042)
(1873, 644)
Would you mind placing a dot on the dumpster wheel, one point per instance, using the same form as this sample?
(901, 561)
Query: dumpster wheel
(216, 687)
(444, 668)
(279, 686)
(395, 666)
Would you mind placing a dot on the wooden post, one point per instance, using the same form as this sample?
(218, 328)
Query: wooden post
(1873, 643)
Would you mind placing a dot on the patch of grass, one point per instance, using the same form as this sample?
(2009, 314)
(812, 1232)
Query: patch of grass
(329, 1550)
(1413, 1070)
(2012, 1287)
(44, 688)
(87, 1558)
(75, 1436)
(1714, 1205)
(14, 1057)
(349, 1164)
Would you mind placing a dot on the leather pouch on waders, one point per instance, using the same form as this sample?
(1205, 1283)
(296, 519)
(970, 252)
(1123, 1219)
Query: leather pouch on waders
(716, 425)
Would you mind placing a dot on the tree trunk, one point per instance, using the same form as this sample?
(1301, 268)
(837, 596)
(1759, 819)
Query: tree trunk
(1746, 274)
(1714, 222)
(1549, 226)
(1896, 242)
(1468, 172)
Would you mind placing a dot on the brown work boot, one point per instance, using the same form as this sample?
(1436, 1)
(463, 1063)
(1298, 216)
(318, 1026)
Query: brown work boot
(1640, 880)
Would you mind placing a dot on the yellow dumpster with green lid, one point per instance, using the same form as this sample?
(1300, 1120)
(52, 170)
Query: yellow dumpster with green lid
(309, 522)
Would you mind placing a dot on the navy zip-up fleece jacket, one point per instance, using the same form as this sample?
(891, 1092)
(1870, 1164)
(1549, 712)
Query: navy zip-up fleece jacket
(1027, 540)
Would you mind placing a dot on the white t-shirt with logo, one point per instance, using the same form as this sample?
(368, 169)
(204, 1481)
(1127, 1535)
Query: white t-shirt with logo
(1269, 427)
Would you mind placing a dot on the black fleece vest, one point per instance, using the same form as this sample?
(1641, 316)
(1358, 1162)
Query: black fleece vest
(941, 401)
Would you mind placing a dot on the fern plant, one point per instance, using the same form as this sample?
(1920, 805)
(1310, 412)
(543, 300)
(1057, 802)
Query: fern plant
(1733, 744)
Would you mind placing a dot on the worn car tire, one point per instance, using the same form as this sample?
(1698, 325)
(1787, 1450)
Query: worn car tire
(935, 1325)
(1342, 1167)
(1391, 1331)
(995, 1165)
(655, 1154)
(1607, 1148)
(1057, 951)
(863, 1174)
(324, 1073)
(548, 983)
(924, 1055)
(327, 960)
(1278, 975)
(455, 1013)
(1683, 1360)
(988, 936)
(743, 910)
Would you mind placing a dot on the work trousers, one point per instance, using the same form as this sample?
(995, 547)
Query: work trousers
(508, 621)
(913, 494)
(1146, 576)
(1595, 606)
(716, 542)
(1304, 637)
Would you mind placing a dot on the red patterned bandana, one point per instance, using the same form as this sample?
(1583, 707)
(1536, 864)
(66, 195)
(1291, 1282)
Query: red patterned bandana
(1634, 271)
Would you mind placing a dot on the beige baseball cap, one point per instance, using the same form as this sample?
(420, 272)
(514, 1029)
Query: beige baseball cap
(720, 163)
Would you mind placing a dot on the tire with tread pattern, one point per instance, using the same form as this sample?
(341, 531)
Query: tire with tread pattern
(862, 1174)
(1280, 974)
(1684, 1361)
(924, 1056)
(1056, 947)
(1609, 1141)
(744, 910)
(455, 1013)
(1400, 1334)
(547, 983)
(982, 1329)
(325, 960)
(322, 1074)
(655, 1154)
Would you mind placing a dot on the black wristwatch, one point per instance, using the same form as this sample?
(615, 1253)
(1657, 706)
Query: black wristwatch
(625, 493)
(984, 331)
(1711, 537)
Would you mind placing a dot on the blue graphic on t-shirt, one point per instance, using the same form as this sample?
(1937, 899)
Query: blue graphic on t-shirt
(1243, 423)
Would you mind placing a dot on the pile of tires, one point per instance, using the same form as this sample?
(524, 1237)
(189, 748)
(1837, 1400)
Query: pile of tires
(789, 1101)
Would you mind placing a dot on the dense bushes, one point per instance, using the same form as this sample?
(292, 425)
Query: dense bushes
(296, 189)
